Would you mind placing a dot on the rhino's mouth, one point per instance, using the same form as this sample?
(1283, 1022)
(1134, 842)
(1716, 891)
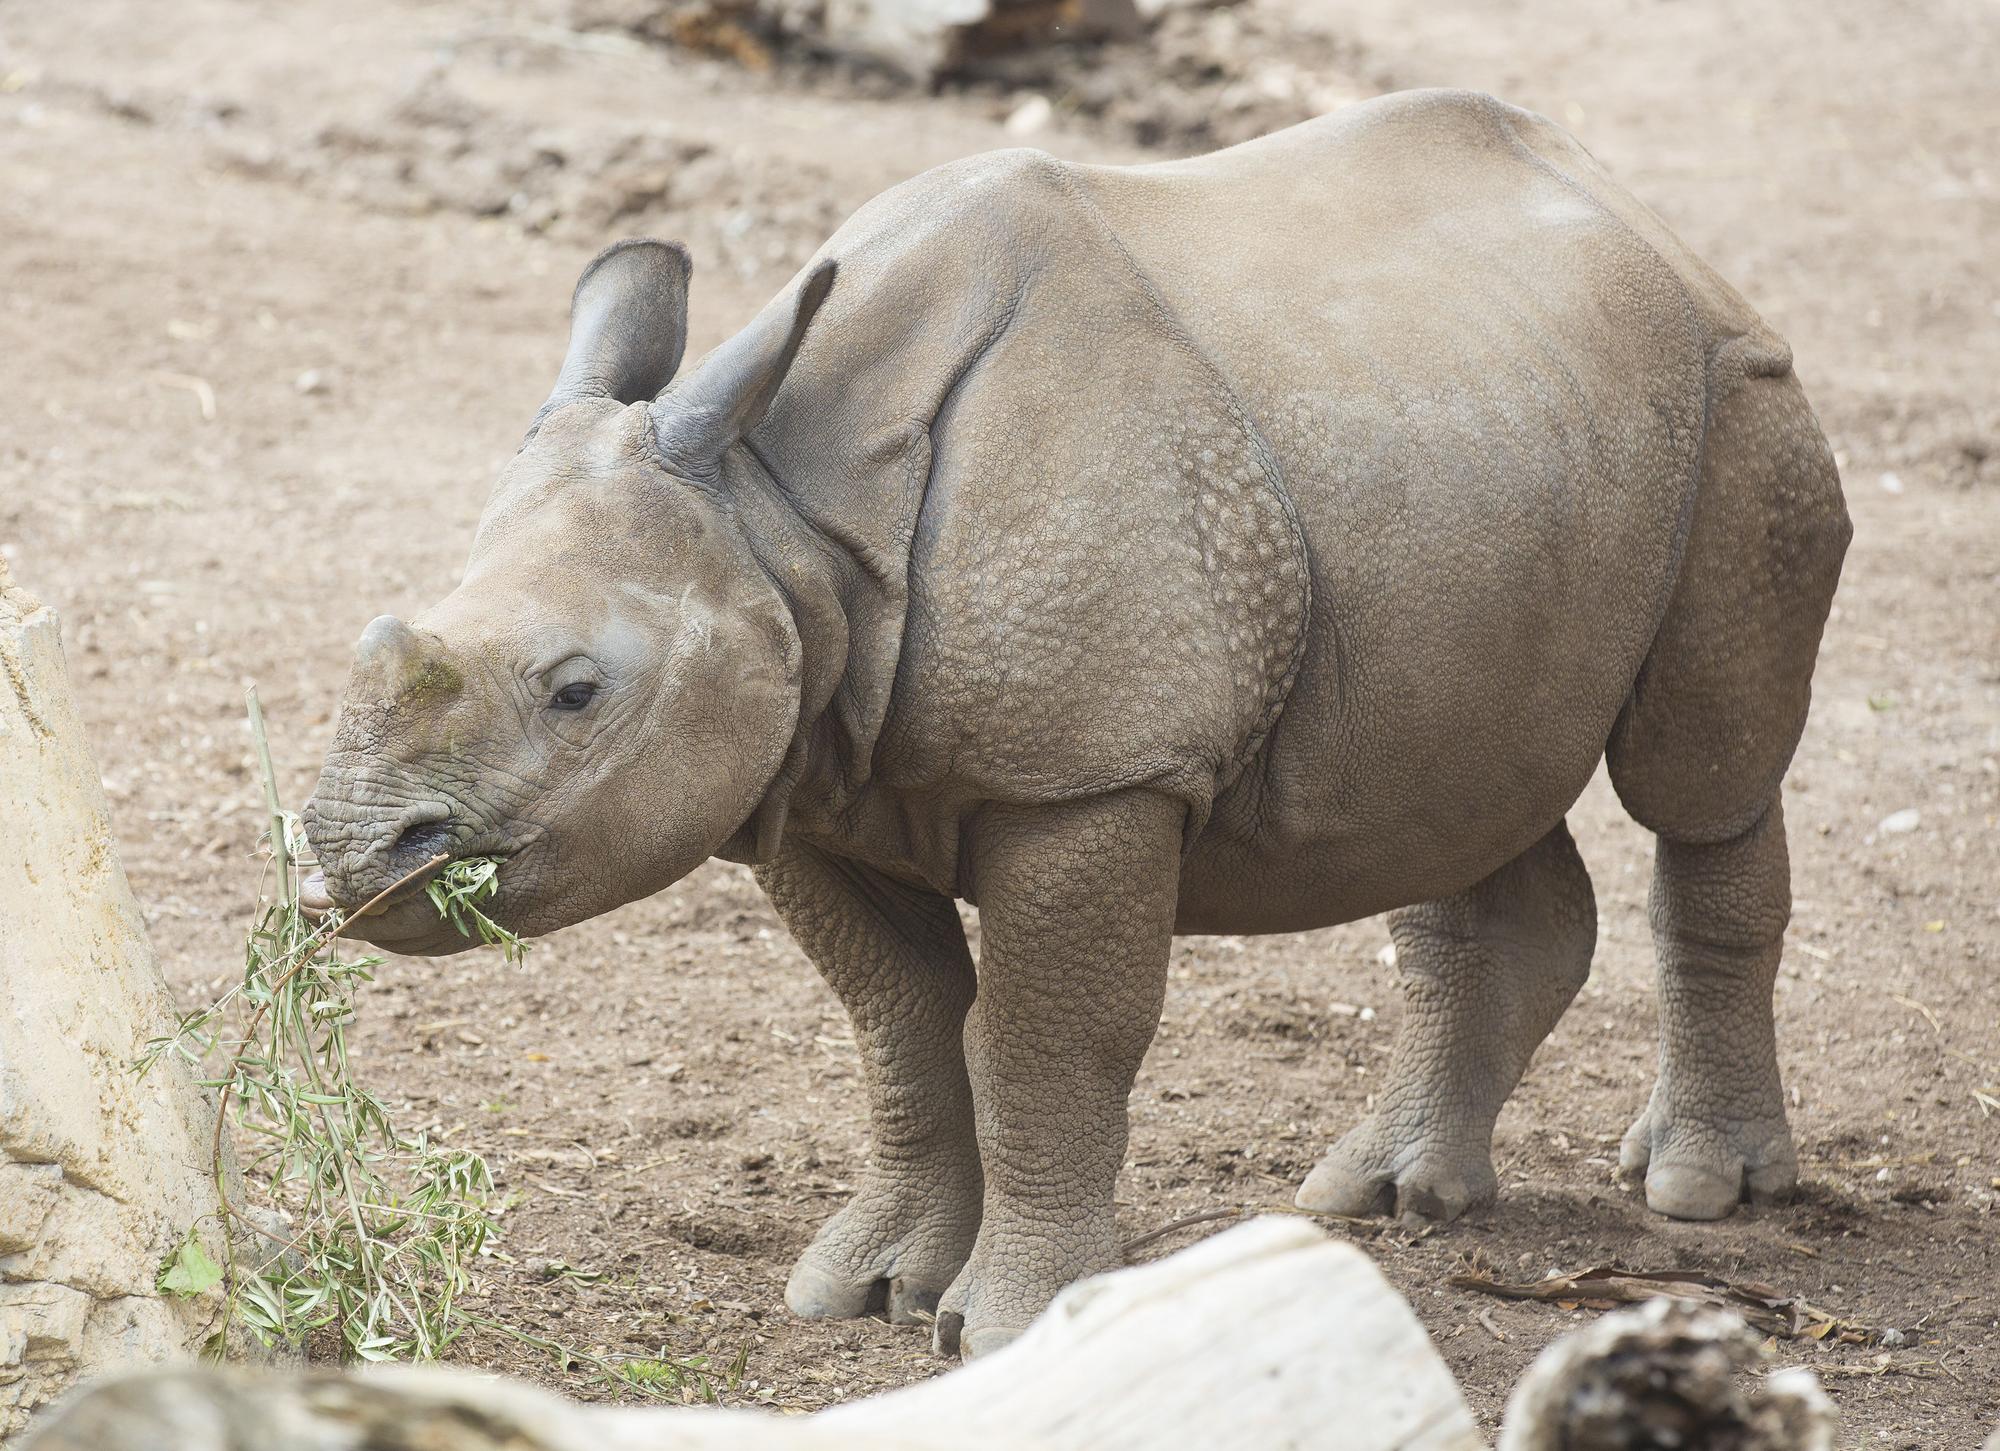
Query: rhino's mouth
(422, 850)
(398, 916)
(317, 902)
(399, 920)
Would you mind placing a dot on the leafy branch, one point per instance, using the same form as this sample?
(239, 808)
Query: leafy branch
(377, 1228)
(458, 890)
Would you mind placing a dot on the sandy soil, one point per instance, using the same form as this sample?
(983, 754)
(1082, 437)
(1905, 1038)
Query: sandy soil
(348, 230)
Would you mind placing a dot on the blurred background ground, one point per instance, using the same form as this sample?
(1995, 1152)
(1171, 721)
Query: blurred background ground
(281, 283)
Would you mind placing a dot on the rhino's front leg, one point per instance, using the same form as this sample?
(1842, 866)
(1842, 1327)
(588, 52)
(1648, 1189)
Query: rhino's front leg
(1076, 918)
(896, 956)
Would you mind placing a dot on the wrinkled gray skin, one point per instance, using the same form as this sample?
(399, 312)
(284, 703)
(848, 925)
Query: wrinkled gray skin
(1243, 544)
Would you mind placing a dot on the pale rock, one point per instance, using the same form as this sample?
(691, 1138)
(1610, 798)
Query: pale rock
(1030, 116)
(27, 1194)
(46, 1321)
(102, 1173)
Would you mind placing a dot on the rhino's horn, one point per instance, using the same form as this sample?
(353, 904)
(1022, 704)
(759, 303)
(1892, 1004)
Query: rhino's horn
(627, 325)
(393, 660)
(726, 396)
(387, 644)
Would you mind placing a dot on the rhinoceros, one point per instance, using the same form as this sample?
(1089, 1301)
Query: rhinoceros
(1243, 544)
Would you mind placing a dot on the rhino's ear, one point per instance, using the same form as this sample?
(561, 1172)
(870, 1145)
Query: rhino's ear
(736, 383)
(627, 325)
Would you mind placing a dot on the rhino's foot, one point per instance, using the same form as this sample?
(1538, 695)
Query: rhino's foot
(952, 1336)
(1014, 1272)
(1702, 1166)
(884, 1252)
(1485, 975)
(1377, 1170)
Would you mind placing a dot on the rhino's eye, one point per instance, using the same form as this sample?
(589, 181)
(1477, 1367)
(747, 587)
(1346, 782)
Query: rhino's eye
(573, 697)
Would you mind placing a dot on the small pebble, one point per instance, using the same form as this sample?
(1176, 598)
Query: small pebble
(1030, 116)
(1898, 823)
(310, 381)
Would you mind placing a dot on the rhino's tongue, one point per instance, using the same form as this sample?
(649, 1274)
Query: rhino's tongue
(317, 902)
(313, 895)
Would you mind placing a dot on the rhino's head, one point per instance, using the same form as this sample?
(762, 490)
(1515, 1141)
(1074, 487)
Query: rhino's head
(604, 699)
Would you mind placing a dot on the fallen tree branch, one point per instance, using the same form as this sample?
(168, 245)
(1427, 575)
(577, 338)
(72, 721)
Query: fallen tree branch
(1605, 1287)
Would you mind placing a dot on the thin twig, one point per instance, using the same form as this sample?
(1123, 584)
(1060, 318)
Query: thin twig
(281, 847)
(203, 390)
(1915, 1006)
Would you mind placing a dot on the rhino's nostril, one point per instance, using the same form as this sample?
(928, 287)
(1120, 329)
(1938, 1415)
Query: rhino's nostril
(422, 841)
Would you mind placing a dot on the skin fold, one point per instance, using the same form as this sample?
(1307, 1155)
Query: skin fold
(1243, 544)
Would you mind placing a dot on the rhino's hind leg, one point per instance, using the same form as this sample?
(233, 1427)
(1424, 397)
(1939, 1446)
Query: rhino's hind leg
(897, 959)
(1697, 756)
(1486, 974)
(1714, 1132)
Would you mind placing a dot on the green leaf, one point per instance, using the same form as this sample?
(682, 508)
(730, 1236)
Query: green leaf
(188, 1271)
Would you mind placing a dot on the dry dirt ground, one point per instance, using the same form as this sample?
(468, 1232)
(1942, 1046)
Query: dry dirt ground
(281, 283)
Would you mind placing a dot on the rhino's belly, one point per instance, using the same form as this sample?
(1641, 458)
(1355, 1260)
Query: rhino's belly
(1363, 809)
(1327, 856)
(1472, 642)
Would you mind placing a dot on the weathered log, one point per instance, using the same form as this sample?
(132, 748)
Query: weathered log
(404, 1408)
(1665, 1373)
(102, 1173)
(1318, 1352)
(1271, 1335)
